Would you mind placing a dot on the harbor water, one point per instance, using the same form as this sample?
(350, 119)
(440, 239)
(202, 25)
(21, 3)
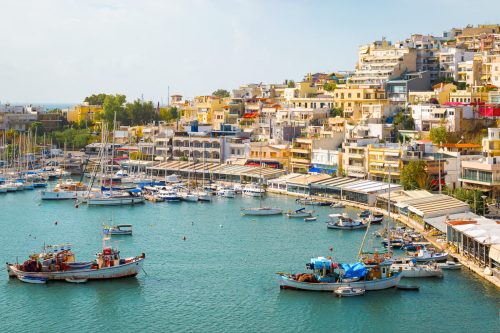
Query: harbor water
(209, 269)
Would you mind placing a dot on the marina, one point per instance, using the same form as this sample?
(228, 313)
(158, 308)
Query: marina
(246, 250)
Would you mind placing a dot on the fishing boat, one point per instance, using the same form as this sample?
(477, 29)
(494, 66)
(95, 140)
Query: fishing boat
(54, 263)
(310, 219)
(349, 291)
(299, 213)
(119, 229)
(410, 269)
(329, 276)
(342, 221)
(450, 265)
(337, 204)
(424, 254)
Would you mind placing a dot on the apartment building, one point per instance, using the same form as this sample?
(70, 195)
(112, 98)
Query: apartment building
(384, 161)
(351, 99)
(83, 112)
(428, 116)
(18, 118)
(449, 58)
(380, 61)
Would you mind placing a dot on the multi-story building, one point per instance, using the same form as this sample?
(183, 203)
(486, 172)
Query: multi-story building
(491, 143)
(206, 106)
(427, 50)
(272, 155)
(490, 71)
(470, 37)
(428, 116)
(18, 118)
(325, 160)
(468, 96)
(449, 58)
(484, 173)
(397, 90)
(380, 61)
(469, 71)
(384, 161)
(351, 99)
(197, 147)
(301, 152)
(83, 112)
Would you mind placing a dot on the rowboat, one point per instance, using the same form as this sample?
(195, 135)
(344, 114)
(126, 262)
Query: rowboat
(32, 279)
(349, 291)
(450, 265)
(310, 219)
(119, 229)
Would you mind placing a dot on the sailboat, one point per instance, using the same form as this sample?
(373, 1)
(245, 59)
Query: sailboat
(114, 198)
(261, 211)
(188, 195)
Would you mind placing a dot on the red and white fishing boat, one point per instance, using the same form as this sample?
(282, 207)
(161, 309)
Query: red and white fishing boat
(57, 262)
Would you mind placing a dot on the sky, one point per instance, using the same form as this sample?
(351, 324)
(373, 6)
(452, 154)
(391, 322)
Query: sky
(64, 50)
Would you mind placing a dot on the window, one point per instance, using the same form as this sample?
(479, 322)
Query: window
(349, 95)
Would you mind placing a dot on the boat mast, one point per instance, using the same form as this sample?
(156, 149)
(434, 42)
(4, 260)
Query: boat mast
(112, 157)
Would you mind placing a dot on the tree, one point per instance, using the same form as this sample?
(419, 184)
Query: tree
(414, 175)
(329, 86)
(336, 112)
(95, 99)
(169, 114)
(140, 113)
(222, 93)
(439, 135)
(114, 104)
(403, 121)
(290, 83)
(36, 127)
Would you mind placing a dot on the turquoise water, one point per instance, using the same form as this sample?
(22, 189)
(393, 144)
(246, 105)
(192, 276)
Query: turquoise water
(220, 279)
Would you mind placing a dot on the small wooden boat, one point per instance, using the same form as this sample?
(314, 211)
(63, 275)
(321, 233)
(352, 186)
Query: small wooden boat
(450, 265)
(349, 291)
(261, 211)
(310, 219)
(364, 214)
(120, 229)
(376, 218)
(32, 279)
(345, 222)
(408, 287)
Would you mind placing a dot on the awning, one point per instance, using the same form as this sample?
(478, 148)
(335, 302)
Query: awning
(495, 252)
(322, 170)
(391, 153)
(376, 163)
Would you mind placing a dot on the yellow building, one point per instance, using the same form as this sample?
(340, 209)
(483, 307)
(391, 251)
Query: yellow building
(491, 144)
(467, 96)
(83, 113)
(277, 156)
(300, 153)
(205, 107)
(352, 98)
(384, 159)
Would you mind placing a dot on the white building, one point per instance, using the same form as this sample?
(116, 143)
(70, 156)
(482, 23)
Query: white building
(428, 116)
(449, 58)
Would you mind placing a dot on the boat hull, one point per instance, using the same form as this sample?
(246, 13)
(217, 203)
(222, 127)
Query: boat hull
(115, 201)
(261, 211)
(120, 271)
(286, 282)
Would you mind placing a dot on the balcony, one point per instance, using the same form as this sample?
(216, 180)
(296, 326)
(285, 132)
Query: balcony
(300, 160)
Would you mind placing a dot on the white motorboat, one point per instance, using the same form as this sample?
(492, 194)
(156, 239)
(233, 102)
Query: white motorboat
(119, 229)
(337, 204)
(261, 211)
(345, 222)
(169, 195)
(376, 218)
(450, 265)
(310, 219)
(425, 255)
(203, 196)
(411, 270)
(349, 291)
(226, 193)
(299, 213)
(188, 196)
(251, 191)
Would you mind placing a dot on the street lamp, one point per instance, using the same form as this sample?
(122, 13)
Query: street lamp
(484, 204)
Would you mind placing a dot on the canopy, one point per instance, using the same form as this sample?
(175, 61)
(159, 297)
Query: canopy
(321, 262)
(135, 190)
(356, 270)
